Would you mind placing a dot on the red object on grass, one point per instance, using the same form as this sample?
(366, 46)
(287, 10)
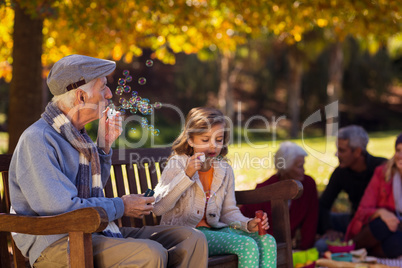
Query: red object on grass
(259, 214)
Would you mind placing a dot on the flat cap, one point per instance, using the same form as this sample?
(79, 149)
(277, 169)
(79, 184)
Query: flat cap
(73, 71)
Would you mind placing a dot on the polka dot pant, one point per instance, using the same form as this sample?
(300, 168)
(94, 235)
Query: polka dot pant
(252, 249)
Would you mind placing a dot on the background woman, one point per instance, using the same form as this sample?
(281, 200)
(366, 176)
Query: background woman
(303, 212)
(376, 225)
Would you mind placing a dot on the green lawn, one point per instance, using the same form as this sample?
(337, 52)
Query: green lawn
(253, 165)
(3, 142)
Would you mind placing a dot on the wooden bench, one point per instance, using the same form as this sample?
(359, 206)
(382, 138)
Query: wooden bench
(134, 171)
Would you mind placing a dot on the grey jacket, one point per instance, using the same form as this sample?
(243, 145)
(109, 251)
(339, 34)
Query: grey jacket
(181, 200)
(43, 173)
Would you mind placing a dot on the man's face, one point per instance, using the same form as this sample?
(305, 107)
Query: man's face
(346, 155)
(100, 94)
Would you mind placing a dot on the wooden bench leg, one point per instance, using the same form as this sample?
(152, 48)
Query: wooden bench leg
(81, 249)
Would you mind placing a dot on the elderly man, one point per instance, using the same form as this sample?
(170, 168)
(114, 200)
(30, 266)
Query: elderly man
(57, 168)
(356, 167)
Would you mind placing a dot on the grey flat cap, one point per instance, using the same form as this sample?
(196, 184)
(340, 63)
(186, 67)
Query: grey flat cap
(74, 71)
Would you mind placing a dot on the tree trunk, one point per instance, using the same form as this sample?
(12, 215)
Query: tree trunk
(228, 79)
(335, 76)
(26, 94)
(224, 87)
(225, 94)
(294, 91)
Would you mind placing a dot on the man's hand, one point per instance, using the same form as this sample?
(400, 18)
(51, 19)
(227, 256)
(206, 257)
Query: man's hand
(136, 205)
(109, 130)
(252, 225)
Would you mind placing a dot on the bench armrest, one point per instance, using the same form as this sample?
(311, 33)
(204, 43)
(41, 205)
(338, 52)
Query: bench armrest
(278, 194)
(86, 220)
(281, 190)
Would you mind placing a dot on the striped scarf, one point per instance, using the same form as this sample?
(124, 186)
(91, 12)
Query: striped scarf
(87, 185)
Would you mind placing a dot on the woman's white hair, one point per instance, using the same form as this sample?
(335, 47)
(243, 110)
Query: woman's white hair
(286, 155)
(67, 99)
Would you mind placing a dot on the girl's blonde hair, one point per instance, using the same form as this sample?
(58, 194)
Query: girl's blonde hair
(200, 120)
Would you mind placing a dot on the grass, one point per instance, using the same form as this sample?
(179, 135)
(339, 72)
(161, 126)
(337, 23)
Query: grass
(253, 163)
(3, 142)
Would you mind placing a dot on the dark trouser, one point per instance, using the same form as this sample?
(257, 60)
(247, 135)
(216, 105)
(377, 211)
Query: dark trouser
(391, 242)
(379, 241)
(340, 221)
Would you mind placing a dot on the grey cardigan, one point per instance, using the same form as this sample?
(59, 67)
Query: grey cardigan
(181, 200)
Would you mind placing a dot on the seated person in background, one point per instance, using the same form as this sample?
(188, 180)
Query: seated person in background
(303, 212)
(377, 225)
(57, 168)
(356, 167)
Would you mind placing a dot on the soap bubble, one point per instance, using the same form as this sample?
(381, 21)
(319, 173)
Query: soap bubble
(126, 72)
(121, 82)
(150, 109)
(156, 132)
(134, 93)
(127, 89)
(145, 100)
(157, 105)
(151, 128)
(132, 100)
(126, 105)
(143, 109)
(110, 103)
(129, 78)
(122, 100)
(119, 90)
(142, 81)
(149, 63)
(133, 110)
(144, 122)
(133, 130)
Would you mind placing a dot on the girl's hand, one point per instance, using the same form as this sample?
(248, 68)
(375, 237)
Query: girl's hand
(193, 164)
(252, 225)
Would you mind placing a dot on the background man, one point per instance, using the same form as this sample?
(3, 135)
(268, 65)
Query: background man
(356, 167)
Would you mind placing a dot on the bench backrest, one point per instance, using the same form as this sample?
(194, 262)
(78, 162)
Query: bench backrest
(133, 172)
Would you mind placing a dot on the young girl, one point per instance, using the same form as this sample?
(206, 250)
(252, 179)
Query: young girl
(197, 190)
